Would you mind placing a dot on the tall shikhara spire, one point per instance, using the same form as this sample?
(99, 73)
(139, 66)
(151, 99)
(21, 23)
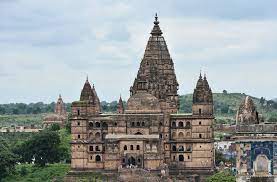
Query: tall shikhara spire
(156, 74)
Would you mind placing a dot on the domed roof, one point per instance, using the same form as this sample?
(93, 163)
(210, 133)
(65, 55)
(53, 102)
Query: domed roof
(54, 117)
(143, 102)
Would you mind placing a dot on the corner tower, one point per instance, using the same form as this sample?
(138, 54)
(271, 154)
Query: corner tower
(202, 103)
(156, 74)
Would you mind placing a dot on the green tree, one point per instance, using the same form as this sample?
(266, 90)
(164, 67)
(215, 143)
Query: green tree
(43, 148)
(55, 127)
(7, 159)
(223, 176)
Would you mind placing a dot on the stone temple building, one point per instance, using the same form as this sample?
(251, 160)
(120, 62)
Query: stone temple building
(256, 145)
(149, 133)
(59, 116)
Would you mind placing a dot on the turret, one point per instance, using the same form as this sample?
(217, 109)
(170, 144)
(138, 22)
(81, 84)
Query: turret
(120, 107)
(89, 103)
(60, 106)
(202, 98)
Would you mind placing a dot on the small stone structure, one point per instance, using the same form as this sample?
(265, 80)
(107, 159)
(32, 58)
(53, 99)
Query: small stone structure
(58, 117)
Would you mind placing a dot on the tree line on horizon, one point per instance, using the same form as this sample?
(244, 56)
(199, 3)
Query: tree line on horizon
(224, 103)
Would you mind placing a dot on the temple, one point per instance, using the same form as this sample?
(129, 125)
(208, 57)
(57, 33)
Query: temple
(256, 145)
(58, 117)
(149, 134)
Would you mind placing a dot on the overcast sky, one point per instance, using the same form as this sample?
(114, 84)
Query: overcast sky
(47, 47)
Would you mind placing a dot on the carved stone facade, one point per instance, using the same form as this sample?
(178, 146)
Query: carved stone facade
(149, 133)
(256, 145)
(58, 117)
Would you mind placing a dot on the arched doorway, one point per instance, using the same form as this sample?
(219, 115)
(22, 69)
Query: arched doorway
(262, 165)
(132, 161)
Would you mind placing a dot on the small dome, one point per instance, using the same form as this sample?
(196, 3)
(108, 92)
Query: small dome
(143, 102)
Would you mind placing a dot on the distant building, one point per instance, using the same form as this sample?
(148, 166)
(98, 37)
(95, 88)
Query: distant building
(58, 117)
(256, 145)
(23, 129)
(149, 133)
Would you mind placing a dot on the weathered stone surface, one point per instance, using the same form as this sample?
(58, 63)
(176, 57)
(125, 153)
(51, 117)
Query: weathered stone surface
(149, 134)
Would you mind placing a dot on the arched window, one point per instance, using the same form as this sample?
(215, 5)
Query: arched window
(91, 136)
(131, 147)
(181, 135)
(97, 135)
(181, 148)
(174, 135)
(115, 123)
(133, 124)
(188, 157)
(200, 123)
(78, 112)
(181, 158)
(78, 123)
(138, 147)
(188, 134)
(97, 158)
(138, 123)
(189, 148)
(105, 125)
(142, 124)
(125, 147)
(173, 124)
(90, 124)
(188, 124)
(181, 124)
(174, 148)
(79, 136)
(97, 124)
(90, 148)
(174, 157)
(199, 111)
(200, 135)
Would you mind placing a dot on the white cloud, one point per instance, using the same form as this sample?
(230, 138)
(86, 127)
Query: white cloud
(49, 47)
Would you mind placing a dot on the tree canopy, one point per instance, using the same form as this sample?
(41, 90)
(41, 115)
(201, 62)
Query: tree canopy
(7, 159)
(41, 149)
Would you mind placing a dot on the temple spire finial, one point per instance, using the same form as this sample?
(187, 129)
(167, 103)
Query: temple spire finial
(156, 22)
(87, 79)
(200, 76)
(156, 31)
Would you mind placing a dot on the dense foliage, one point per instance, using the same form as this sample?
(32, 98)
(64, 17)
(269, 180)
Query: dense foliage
(41, 149)
(40, 107)
(223, 176)
(29, 172)
(7, 159)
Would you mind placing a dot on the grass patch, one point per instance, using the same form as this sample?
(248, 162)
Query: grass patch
(32, 173)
